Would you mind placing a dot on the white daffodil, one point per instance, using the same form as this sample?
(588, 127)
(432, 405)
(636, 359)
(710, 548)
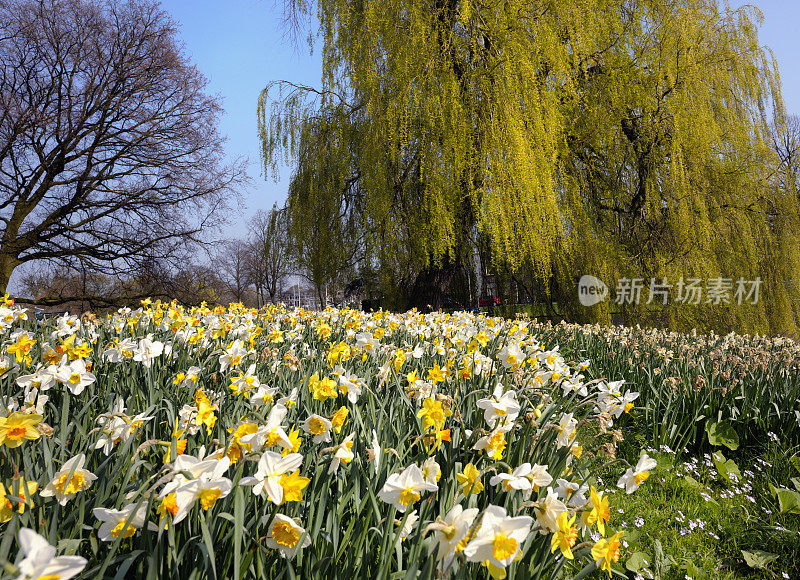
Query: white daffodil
(516, 480)
(566, 430)
(374, 452)
(273, 433)
(494, 442)
(572, 493)
(342, 453)
(633, 478)
(501, 406)
(431, 470)
(41, 562)
(75, 376)
(404, 488)
(286, 536)
(271, 466)
(408, 525)
(351, 385)
(69, 480)
(449, 531)
(147, 350)
(511, 355)
(289, 400)
(547, 511)
(43, 379)
(123, 522)
(247, 382)
(233, 355)
(263, 395)
(499, 538)
(207, 489)
(539, 477)
(113, 430)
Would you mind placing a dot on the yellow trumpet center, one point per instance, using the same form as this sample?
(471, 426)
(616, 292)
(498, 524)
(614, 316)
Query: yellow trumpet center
(503, 547)
(286, 534)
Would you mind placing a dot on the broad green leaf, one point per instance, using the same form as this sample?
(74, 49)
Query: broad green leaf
(722, 433)
(788, 500)
(637, 561)
(726, 467)
(757, 558)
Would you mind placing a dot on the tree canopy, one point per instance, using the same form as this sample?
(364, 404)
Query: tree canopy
(109, 150)
(615, 138)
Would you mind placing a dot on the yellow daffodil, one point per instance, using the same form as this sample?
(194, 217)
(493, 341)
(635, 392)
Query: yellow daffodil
(606, 551)
(18, 428)
(469, 480)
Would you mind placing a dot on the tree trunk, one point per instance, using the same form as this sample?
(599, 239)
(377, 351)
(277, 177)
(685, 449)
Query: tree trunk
(7, 265)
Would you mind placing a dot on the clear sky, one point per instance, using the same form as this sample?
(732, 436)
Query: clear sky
(240, 46)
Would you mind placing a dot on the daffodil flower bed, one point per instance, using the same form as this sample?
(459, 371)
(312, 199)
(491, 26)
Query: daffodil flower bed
(232, 443)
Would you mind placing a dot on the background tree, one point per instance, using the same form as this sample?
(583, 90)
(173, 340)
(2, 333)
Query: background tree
(621, 139)
(233, 264)
(109, 152)
(269, 255)
(323, 210)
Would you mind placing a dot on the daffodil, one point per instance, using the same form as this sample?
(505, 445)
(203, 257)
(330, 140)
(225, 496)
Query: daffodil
(405, 488)
(17, 496)
(342, 453)
(606, 551)
(116, 523)
(271, 467)
(470, 480)
(633, 478)
(600, 511)
(70, 480)
(501, 406)
(75, 376)
(319, 427)
(41, 562)
(18, 428)
(565, 536)
(374, 452)
(499, 538)
(286, 536)
(21, 348)
(516, 480)
(205, 410)
(547, 510)
(494, 443)
(206, 489)
(449, 533)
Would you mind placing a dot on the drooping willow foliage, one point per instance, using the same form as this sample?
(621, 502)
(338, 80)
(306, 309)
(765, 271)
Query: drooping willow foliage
(616, 138)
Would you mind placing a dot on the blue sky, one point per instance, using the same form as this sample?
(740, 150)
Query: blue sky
(240, 46)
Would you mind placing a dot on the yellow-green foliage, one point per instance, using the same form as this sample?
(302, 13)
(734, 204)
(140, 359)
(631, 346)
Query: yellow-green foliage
(621, 138)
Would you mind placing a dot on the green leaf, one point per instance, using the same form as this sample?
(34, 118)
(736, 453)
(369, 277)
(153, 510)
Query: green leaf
(722, 433)
(788, 500)
(796, 483)
(68, 547)
(758, 559)
(726, 468)
(695, 572)
(637, 561)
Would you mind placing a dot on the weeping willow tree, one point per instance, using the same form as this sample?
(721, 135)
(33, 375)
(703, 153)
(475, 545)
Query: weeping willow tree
(616, 138)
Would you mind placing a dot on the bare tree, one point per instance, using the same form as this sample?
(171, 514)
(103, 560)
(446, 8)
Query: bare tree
(270, 259)
(233, 266)
(786, 142)
(109, 150)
